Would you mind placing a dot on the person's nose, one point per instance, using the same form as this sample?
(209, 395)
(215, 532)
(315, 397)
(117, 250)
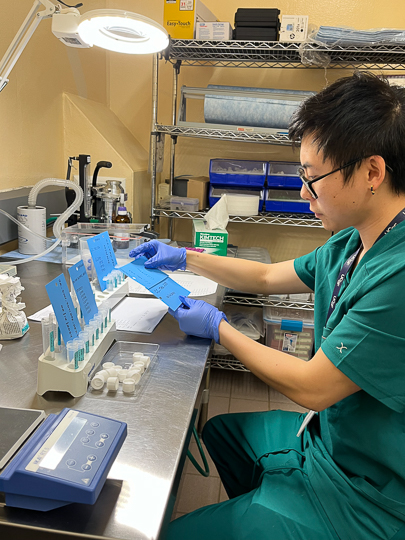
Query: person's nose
(305, 194)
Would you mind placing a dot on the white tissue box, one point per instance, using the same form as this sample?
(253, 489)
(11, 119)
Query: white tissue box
(213, 241)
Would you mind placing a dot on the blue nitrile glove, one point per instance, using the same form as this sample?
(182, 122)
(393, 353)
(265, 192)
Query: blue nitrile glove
(198, 318)
(161, 255)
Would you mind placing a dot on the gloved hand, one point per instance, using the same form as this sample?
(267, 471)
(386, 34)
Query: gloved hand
(161, 255)
(198, 318)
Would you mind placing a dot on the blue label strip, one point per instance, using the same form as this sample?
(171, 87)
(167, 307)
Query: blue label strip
(103, 256)
(62, 304)
(158, 283)
(84, 293)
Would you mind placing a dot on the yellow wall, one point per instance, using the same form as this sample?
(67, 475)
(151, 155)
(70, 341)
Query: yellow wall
(35, 137)
(31, 127)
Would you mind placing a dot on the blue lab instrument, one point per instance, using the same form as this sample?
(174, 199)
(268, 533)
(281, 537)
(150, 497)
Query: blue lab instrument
(65, 461)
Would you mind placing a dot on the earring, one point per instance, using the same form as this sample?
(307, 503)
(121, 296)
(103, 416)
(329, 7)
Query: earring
(372, 190)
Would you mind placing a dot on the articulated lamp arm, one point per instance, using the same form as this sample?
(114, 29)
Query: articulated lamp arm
(23, 36)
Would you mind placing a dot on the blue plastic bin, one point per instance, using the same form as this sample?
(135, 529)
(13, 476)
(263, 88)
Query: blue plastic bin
(287, 201)
(283, 175)
(238, 173)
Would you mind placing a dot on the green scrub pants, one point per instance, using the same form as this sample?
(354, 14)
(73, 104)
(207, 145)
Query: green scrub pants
(261, 463)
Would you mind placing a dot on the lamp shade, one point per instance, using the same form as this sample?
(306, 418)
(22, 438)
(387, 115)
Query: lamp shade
(122, 31)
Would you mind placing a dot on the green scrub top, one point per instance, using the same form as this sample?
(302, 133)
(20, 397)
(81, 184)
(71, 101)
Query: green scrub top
(355, 450)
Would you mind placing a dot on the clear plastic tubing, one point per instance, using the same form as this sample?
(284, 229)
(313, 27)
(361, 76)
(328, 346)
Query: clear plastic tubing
(59, 223)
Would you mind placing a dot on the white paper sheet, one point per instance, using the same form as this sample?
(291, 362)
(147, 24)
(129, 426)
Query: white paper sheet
(139, 314)
(197, 285)
(41, 313)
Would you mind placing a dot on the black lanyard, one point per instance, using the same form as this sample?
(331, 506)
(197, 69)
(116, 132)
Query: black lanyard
(349, 263)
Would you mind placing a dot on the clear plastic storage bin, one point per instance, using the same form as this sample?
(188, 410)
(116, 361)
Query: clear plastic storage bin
(283, 175)
(236, 173)
(124, 237)
(184, 204)
(280, 200)
(290, 330)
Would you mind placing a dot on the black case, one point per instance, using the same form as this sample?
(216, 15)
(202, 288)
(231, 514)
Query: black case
(244, 15)
(255, 34)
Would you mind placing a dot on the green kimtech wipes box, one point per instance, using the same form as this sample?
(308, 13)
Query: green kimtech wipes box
(214, 242)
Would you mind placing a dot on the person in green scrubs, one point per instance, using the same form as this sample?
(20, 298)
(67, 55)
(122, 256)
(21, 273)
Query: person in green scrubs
(343, 477)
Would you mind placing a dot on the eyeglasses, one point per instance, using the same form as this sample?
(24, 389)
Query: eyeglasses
(308, 183)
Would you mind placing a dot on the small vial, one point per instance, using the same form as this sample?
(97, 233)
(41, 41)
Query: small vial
(55, 328)
(136, 377)
(93, 329)
(104, 315)
(84, 335)
(46, 331)
(137, 356)
(70, 349)
(110, 283)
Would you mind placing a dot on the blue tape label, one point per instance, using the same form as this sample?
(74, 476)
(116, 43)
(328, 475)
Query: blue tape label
(84, 293)
(169, 291)
(103, 256)
(145, 276)
(62, 304)
(157, 282)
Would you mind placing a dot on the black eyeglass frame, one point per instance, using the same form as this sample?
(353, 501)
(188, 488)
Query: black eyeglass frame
(308, 183)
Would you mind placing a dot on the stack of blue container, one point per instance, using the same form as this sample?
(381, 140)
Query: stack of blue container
(283, 189)
(238, 177)
(277, 183)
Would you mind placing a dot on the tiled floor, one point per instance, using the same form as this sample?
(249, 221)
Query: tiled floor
(230, 391)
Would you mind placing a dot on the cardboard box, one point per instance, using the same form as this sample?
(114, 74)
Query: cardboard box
(293, 28)
(214, 242)
(213, 31)
(180, 17)
(197, 187)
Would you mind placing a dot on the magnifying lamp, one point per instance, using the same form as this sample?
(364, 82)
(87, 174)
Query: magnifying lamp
(112, 29)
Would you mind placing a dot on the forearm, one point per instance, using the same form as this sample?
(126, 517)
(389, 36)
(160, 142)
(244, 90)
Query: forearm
(240, 274)
(316, 384)
(247, 276)
(279, 370)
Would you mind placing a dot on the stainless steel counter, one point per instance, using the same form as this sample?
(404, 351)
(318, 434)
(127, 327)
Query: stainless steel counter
(137, 499)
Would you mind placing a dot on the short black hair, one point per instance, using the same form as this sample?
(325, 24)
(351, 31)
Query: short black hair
(355, 117)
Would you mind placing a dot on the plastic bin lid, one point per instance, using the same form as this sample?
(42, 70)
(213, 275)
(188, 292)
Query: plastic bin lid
(273, 314)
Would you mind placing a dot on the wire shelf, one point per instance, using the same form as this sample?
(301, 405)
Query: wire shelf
(226, 362)
(264, 301)
(268, 218)
(285, 55)
(224, 134)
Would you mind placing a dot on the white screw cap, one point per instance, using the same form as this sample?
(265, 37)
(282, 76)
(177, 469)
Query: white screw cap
(113, 383)
(128, 386)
